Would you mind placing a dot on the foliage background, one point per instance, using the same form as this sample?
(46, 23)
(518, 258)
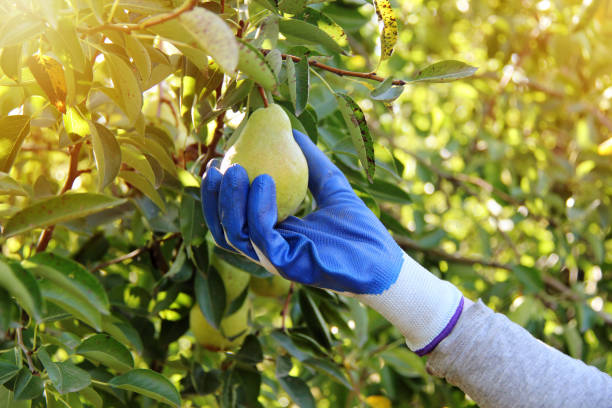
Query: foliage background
(494, 182)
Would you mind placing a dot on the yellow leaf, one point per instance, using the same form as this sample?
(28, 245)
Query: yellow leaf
(605, 148)
(388, 35)
(49, 74)
(378, 401)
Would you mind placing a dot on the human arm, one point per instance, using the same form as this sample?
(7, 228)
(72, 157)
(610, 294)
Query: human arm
(342, 246)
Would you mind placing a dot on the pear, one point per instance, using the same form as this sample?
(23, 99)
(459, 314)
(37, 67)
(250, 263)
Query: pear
(266, 146)
(274, 286)
(234, 328)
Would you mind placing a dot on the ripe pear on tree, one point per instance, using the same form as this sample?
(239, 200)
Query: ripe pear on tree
(273, 286)
(233, 327)
(266, 146)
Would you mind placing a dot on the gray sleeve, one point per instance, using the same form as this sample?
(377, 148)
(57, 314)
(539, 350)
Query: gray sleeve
(499, 364)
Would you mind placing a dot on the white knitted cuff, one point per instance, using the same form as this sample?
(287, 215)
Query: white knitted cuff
(423, 307)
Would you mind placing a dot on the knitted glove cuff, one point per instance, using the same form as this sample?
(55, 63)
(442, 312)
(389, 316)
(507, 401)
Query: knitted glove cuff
(423, 307)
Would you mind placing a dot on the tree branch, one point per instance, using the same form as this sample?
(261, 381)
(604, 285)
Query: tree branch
(212, 146)
(73, 173)
(25, 350)
(338, 71)
(550, 281)
(130, 255)
(146, 23)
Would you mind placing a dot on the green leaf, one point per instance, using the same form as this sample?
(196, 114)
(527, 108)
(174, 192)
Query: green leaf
(21, 284)
(314, 319)
(65, 376)
(235, 94)
(210, 294)
(250, 351)
(11, 61)
(291, 81)
(14, 131)
(301, 32)
(444, 71)
(73, 304)
(9, 186)
(405, 362)
(150, 384)
(27, 386)
(54, 210)
(138, 161)
(106, 153)
(126, 85)
(74, 123)
(386, 91)
(241, 263)
(214, 36)
(191, 220)
(327, 24)
(252, 62)
(529, 277)
(360, 134)
(285, 342)
(72, 277)
(152, 148)
(143, 185)
(20, 28)
(140, 55)
(329, 368)
(291, 6)
(7, 371)
(108, 351)
(7, 400)
(66, 44)
(123, 332)
(93, 397)
(297, 389)
(389, 32)
(302, 84)
(275, 59)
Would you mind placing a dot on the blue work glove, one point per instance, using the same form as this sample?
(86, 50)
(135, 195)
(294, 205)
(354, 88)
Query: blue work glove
(341, 246)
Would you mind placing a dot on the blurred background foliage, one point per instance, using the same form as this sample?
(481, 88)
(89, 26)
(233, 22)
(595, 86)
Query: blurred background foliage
(500, 183)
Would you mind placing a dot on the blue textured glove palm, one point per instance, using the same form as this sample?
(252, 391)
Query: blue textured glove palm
(341, 246)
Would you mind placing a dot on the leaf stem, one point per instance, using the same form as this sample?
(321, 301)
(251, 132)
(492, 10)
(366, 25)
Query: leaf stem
(322, 80)
(286, 305)
(262, 92)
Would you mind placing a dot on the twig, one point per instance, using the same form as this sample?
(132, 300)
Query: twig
(73, 173)
(286, 305)
(25, 350)
(212, 146)
(549, 281)
(340, 72)
(262, 93)
(130, 255)
(128, 28)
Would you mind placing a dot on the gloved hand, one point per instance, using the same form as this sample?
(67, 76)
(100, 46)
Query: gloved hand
(341, 246)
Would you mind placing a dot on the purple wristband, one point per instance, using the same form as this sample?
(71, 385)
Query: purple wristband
(449, 327)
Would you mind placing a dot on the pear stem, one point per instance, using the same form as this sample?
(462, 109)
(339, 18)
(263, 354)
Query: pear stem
(262, 92)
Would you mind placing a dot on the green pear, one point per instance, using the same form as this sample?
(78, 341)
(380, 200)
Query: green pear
(274, 286)
(266, 146)
(234, 328)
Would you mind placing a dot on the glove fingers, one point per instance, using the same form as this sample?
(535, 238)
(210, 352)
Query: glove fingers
(233, 196)
(210, 203)
(325, 180)
(262, 215)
